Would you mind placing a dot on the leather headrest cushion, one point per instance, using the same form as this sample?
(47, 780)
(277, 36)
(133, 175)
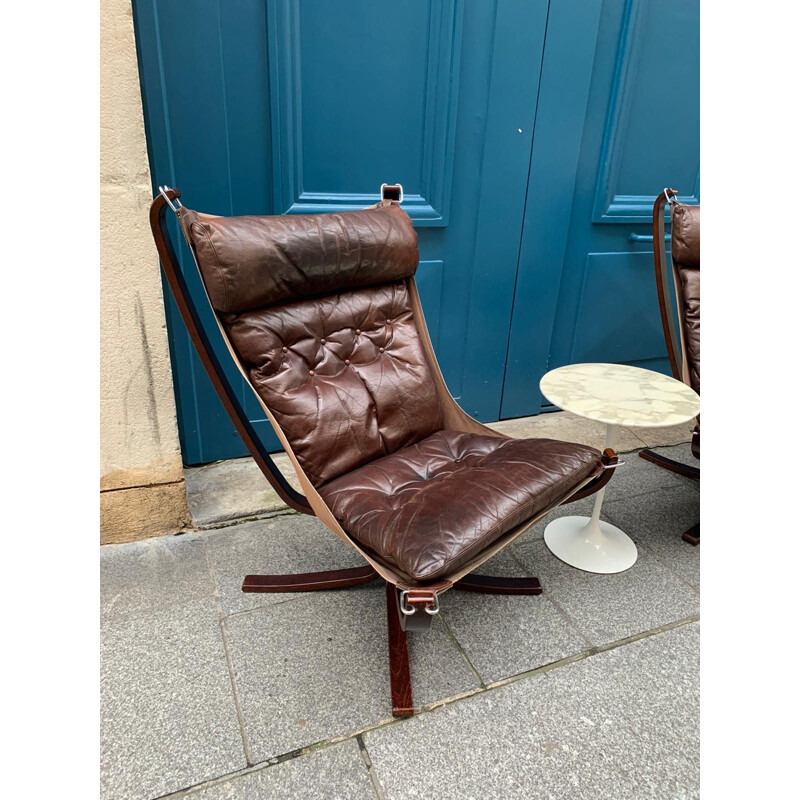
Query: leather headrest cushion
(686, 235)
(251, 262)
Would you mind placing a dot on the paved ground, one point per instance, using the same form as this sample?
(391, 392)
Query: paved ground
(588, 691)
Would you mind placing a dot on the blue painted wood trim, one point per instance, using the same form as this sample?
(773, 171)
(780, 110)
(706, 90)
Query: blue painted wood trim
(291, 196)
(415, 205)
(510, 117)
(610, 207)
(636, 207)
(572, 29)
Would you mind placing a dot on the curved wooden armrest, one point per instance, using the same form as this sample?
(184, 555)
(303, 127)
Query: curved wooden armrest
(189, 314)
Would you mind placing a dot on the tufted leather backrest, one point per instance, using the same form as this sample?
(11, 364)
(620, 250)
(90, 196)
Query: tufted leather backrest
(685, 249)
(317, 309)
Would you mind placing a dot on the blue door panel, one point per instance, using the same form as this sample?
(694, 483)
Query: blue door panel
(565, 82)
(363, 93)
(614, 320)
(510, 117)
(527, 135)
(304, 106)
(384, 110)
(585, 259)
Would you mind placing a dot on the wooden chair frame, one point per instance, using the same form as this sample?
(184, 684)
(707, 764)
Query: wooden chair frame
(676, 346)
(409, 607)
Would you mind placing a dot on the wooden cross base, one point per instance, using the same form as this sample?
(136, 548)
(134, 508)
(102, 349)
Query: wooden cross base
(669, 463)
(692, 535)
(399, 666)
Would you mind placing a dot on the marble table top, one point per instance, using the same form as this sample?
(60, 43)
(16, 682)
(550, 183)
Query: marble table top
(620, 395)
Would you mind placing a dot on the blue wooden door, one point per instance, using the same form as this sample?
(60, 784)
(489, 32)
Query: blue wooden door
(529, 135)
(303, 106)
(618, 120)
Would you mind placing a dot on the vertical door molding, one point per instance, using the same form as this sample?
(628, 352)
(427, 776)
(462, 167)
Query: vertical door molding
(567, 68)
(428, 207)
(609, 205)
(518, 39)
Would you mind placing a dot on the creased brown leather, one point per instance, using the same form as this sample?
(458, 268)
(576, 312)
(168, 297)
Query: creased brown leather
(344, 375)
(429, 508)
(690, 299)
(685, 240)
(318, 311)
(250, 262)
(685, 248)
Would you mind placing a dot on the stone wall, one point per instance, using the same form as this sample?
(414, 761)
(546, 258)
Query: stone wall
(142, 491)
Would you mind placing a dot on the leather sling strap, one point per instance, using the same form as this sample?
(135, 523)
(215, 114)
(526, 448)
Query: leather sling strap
(663, 274)
(676, 281)
(205, 351)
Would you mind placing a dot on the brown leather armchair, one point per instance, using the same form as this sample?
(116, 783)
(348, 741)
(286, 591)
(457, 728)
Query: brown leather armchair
(322, 317)
(683, 344)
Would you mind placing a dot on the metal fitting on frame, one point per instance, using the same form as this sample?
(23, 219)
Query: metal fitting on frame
(384, 186)
(407, 609)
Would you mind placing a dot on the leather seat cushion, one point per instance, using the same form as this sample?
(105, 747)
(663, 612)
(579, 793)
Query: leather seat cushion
(345, 376)
(428, 509)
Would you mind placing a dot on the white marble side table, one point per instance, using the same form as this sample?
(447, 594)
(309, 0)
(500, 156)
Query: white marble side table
(618, 396)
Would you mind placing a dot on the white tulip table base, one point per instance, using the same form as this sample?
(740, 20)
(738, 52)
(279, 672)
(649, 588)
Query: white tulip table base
(590, 544)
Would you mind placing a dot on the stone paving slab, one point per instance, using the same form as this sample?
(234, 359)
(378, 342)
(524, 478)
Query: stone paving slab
(152, 573)
(316, 667)
(168, 715)
(273, 546)
(664, 437)
(505, 635)
(338, 771)
(234, 489)
(658, 520)
(622, 724)
(606, 608)
(682, 453)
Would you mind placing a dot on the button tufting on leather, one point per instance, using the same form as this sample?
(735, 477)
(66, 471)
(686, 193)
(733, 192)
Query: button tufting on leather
(381, 349)
(322, 341)
(337, 424)
(285, 349)
(311, 372)
(347, 361)
(358, 331)
(426, 519)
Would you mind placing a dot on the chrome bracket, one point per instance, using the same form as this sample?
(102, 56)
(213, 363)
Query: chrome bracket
(398, 185)
(407, 609)
(162, 190)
